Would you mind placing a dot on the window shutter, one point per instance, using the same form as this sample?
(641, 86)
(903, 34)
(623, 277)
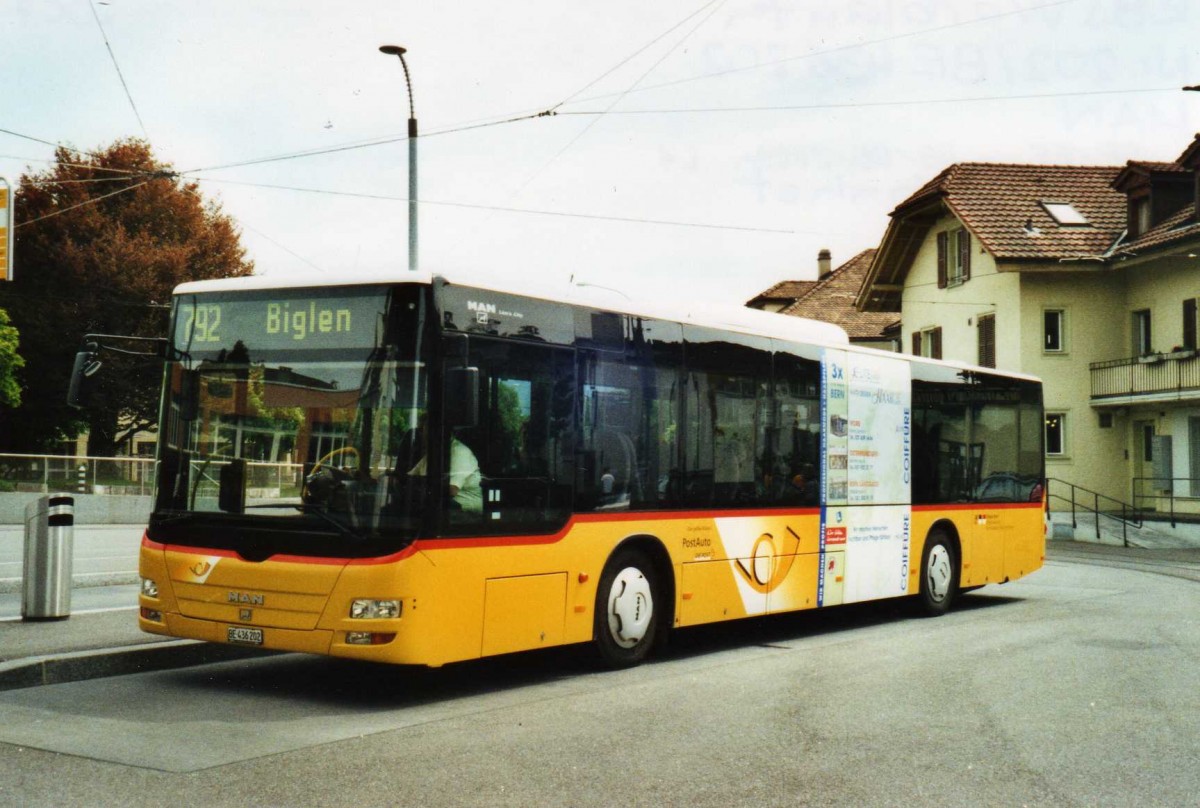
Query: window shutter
(935, 343)
(964, 253)
(1189, 323)
(916, 339)
(987, 341)
(943, 248)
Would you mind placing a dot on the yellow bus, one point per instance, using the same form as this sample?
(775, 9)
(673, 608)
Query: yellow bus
(423, 471)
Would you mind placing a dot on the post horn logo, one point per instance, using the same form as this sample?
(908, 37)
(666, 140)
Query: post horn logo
(769, 563)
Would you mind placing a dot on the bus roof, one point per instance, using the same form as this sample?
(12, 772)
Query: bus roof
(733, 318)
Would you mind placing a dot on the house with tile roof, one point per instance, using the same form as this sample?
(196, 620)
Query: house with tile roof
(831, 299)
(1086, 276)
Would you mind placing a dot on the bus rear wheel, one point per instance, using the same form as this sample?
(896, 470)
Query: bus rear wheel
(626, 622)
(939, 574)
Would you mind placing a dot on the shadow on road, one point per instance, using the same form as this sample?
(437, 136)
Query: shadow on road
(338, 684)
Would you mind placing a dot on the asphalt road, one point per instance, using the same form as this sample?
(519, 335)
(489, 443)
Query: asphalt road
(103, 555)
(1074, 687)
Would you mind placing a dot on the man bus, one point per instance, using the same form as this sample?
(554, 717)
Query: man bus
(632, 471)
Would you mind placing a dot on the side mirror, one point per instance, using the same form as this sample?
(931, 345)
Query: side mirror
(462, 397)
(231, 496)
(87, 362)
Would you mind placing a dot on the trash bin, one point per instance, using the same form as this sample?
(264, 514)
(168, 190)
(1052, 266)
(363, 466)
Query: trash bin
(49, 547)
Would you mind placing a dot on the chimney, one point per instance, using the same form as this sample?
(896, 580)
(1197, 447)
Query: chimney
(824, 264)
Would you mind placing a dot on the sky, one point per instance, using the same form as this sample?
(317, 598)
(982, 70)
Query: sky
(699, 150)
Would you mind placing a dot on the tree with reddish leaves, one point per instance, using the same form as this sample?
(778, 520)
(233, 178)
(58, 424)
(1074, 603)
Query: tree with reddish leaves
(101, 240)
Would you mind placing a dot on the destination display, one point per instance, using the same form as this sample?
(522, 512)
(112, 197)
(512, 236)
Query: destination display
(316, 319)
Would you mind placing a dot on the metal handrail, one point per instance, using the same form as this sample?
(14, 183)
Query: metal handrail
(1169, 488)
(1130, 516)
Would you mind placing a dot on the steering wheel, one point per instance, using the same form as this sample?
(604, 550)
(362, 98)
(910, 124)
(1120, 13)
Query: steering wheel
(319, 487)
(330, 455)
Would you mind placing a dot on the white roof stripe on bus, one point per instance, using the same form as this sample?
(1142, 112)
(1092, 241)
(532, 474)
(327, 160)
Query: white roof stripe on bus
(732, 318)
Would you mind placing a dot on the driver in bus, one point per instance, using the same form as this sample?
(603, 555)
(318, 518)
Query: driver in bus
(463, 483)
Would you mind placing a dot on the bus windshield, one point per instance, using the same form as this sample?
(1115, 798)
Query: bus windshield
(298, 409)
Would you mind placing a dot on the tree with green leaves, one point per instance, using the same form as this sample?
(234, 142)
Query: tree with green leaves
(101, 240)
(10, 363)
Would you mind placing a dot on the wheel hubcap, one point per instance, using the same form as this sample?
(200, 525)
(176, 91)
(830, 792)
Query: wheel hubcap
(938, 573)
(630, 607)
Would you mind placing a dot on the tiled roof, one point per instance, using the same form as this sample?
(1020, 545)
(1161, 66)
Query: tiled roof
(1001, 204)
(832, 300)
(784, 290)
(1181, 226)
(1191, 155)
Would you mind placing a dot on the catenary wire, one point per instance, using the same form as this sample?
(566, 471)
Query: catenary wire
(501, 208)
(84, 203)
(873, 104)
(120, 75)
(839, 49)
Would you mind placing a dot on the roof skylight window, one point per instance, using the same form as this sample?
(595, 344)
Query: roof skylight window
(1065, 213)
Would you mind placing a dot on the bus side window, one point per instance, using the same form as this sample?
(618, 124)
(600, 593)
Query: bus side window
(628, 434)
(727, 395)
(795, 447)
(524, 441)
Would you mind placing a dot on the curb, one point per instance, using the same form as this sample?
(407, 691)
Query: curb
(77, 666)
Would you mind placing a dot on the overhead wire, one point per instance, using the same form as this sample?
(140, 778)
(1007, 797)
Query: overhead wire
(243, 223)
(497, 208)
(838, 49)
(715, 6)
(871, 104)
(554, 110)
(120, 75)
(93, 200)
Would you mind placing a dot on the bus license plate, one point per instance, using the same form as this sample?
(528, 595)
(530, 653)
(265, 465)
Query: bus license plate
(244, 636)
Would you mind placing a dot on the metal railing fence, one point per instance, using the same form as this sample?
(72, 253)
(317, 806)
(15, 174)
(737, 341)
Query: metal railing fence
(1151, 493)
(1084, 500)
(32, 473)
(1144, 375)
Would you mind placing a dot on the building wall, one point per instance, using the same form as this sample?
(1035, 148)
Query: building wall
(956, 309)
(1093, 300)
(1096, 457)
(1161, 286)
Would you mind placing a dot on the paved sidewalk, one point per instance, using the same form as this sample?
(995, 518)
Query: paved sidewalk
(94, 645)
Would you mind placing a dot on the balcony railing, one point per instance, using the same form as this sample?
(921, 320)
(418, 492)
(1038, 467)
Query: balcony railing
(1157, 375)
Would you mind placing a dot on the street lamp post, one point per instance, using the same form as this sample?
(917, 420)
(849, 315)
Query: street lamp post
(396, 50)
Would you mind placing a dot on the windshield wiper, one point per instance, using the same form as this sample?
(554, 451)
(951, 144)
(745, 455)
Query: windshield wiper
(342, 527)
(175, 519)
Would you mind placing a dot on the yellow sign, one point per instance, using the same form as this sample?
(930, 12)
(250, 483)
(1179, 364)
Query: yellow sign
(6, 230)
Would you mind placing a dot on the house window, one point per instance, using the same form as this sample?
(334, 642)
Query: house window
(1056, 433)
(1065, 213)
(1189, 324)
(1053, 330)
(987, 340)
(927, 343)
(1141, 333)
(953, 257)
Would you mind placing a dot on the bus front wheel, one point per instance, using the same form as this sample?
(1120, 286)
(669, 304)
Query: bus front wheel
(626, 618)
(939, 574)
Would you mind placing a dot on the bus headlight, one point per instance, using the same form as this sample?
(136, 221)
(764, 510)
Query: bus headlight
(364, 609)
(149, 588)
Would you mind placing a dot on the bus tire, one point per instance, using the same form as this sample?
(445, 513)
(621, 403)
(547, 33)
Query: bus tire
(626, 620)
(939, 574)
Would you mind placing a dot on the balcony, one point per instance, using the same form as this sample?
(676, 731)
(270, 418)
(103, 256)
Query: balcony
(1173, 376)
